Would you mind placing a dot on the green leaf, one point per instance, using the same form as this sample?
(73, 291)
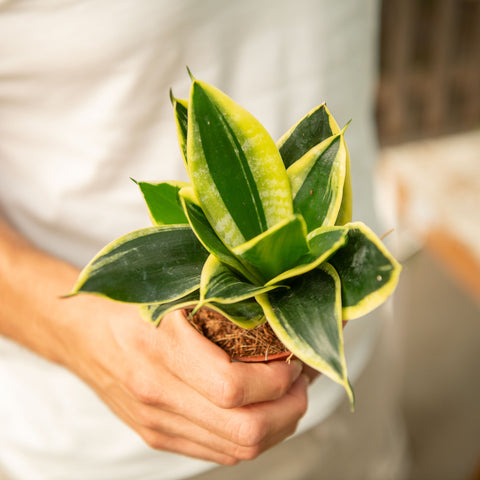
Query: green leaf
(317, 182)
(163, 203)
(276, 250)
(313, 128)
(208, 236)
(323, 242)
(326, 240)
(368, 272)
(346, 207)
(151, 265)
(219, 284)
(180, 110)
(246, 314)
(155, 312)
(235, 167)
(307, 318)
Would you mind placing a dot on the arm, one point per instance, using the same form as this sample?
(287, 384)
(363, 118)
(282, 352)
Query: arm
(176, 389)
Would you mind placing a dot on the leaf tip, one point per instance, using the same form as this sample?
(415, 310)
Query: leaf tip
(190, 73)
(351, 395)
(346, 126)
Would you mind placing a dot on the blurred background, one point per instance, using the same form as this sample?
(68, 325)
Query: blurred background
(428, 115)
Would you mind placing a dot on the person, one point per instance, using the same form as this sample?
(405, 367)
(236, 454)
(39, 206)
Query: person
(88, 390)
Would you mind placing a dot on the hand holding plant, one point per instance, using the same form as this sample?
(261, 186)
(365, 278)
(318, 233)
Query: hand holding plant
(262, 233)
(212, 409)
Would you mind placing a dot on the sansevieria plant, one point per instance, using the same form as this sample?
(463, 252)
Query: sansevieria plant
(262, 233)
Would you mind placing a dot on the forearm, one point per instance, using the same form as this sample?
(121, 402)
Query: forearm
(32, 311)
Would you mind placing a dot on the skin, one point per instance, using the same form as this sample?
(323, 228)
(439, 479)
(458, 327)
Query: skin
(151, 378)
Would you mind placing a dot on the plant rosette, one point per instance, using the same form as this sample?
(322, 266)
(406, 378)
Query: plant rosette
(263, 233)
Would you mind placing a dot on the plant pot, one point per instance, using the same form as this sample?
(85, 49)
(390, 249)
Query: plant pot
(257, 345)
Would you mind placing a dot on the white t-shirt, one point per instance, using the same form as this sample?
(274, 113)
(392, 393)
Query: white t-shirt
(84, 106)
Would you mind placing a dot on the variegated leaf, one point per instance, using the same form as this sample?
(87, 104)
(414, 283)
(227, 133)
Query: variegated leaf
(368, 272)
(323, 243)
(246, 313)
(219, 284)
(315, 127)
(307, 318)
(312, 129)
(151, 265)
(317, 181)
(208, 236)
(180, 110)
(155, 312)
(346, 207)
(276, 250)
(235, 167)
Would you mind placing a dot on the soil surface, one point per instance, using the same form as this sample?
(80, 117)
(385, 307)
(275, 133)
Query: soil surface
(236, 341)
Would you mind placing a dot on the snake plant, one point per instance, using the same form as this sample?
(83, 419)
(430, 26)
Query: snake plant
(262, 233)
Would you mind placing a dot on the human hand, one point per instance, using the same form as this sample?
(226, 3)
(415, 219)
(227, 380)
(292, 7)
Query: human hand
(175, 388)
(179, 391)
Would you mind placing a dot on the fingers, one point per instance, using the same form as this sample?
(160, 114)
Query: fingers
(223, 436)
(242, 432)
(157, 426)
(167, 432)
(186, 447)
(263, 425)
(163, 430)
(207, 369)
